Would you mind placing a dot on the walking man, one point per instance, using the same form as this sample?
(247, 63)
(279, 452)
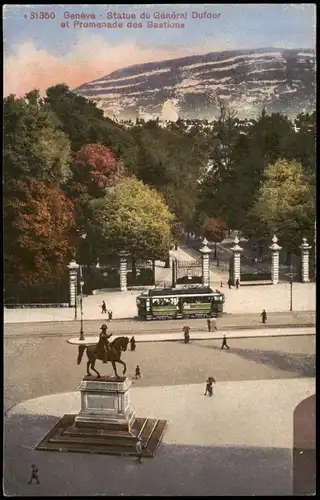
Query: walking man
(264, 316)
(209, 323)
(34, 474)
(139, 448)
(224, 343)
(103, 308)
(137, 372)
(229, 283)
(237, 283)
(209, 386)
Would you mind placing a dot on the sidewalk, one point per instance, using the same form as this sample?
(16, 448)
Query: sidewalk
(196, 335)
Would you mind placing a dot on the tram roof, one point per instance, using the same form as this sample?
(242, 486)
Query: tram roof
(182, 291)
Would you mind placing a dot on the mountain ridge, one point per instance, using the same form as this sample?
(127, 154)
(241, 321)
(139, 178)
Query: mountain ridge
(192, 86)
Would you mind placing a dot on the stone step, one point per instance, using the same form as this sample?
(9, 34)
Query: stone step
(147, 430)
(64, 437)
(156, 436)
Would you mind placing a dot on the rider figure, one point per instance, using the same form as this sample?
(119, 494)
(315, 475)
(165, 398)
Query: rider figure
(103, 345)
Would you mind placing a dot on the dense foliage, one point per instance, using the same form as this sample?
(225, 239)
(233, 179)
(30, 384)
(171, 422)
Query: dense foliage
(71, 181)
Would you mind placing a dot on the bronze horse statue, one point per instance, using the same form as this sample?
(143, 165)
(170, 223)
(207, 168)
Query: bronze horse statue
(113, 354)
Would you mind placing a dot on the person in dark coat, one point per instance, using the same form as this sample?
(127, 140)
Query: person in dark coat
(229, 283)
(132, 344)
(186, 331)
(209, 323)
(209, 386)
(103, 308)
(264, 316)
(237, 283)
(137, 372)
(34, 474)
(224, 343)
(110, 315)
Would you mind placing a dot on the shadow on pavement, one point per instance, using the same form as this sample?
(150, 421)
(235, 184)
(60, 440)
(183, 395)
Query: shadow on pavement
(179, 470)
(304, 365)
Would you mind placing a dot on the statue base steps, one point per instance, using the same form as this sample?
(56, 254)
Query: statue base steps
(68, 437)
(106, 423)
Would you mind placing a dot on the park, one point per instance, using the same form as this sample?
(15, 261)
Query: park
(160, 274)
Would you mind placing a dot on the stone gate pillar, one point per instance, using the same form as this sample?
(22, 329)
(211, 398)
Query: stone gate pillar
(305, 247)
(205, 252)
(73, 271)
(123, 270)
(275, 260)
(236, 250)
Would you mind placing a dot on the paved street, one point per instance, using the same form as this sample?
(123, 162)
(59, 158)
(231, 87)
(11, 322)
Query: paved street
(237, 443)
(229, 322)
(36, 367)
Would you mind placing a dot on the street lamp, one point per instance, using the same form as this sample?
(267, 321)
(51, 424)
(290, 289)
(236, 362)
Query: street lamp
(81, 305)
(291, 275)
(83, 236)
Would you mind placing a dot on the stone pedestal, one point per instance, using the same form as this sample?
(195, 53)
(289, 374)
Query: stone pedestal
(105, 403)
(305, 248)
(106, 423)
(236, 250)
(205, 252)
(275, 260)
(123, 270)
(73, 270)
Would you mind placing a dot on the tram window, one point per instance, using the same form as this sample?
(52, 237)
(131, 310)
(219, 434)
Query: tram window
(168, 301)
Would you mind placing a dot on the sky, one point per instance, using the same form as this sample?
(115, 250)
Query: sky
(44, 46)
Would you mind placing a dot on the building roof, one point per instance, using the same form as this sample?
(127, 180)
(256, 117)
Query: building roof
(182, 291)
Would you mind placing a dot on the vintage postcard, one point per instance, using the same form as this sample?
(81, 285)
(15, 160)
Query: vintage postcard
(159, 249)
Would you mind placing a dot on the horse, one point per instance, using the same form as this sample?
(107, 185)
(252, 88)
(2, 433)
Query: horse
(114, 354)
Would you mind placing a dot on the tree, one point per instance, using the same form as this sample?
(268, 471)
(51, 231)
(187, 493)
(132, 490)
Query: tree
(34, 147)
(38, 232)
(93, 168)
(215, 230)
(84, 123)
(286, 203)
(134, 218)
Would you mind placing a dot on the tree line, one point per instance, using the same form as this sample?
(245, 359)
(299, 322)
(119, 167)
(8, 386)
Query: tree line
(79, 185)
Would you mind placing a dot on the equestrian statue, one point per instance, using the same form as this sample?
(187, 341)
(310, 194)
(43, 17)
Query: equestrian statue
(104, 351)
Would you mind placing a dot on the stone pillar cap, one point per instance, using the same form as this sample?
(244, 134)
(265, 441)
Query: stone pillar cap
(275, 247)
(73, 265)
(236, 247)
(305, 245)
(205, 249)
(123, 253)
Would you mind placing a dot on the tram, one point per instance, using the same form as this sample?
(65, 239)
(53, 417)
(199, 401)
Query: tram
(200, 302)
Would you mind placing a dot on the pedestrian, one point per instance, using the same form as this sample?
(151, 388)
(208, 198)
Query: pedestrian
(110, 315)
(224, 343)
(214, 324)
(139, 449)
(229, 283)
(237, 283)
(209, 386)
(209, 324)
(103, 307)
(221, 284)
(186, 331)
(132, 344)
(137, 372)
(176, 246)
(264, 316)
(34, 474)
